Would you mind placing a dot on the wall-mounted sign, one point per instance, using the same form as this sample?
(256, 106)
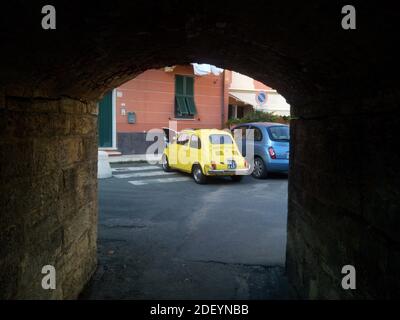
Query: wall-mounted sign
(261, 98)
(123, 109)
(131, 117)
(119, 94)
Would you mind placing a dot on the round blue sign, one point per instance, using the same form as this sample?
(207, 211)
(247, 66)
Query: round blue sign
(261, 97)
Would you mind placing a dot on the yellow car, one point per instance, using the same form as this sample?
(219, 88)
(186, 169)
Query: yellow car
(204, 153)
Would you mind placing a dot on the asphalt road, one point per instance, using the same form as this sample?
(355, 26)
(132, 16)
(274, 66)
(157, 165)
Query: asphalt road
(162, 236)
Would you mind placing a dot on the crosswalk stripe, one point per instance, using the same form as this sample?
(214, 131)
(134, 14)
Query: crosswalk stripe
(162, 180)
(125, 169)
(142, 174)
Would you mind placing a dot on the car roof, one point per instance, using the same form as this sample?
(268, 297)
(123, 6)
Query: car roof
(262, 124)
(187, 131)
(205, 131)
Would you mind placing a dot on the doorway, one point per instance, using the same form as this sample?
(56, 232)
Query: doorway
(105, 121)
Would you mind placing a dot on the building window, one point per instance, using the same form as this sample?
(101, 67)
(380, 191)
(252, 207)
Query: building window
(239, 112)
(184, 97)
(231, 112)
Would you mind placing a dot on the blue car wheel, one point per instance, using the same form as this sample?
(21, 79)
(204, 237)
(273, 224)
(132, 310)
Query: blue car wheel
(260, 170)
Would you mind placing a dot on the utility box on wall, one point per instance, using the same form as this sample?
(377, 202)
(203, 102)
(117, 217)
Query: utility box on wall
(131, 117)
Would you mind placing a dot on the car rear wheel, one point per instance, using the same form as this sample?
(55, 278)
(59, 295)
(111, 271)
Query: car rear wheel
(165, 164)
(237, 178)
(198, 175)
(260, 170)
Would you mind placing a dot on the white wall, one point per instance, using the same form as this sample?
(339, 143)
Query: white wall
(242, 88)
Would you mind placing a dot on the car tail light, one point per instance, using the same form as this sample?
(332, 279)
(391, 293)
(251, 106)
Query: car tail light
(246, 164)
(213, 165)
(272, 153)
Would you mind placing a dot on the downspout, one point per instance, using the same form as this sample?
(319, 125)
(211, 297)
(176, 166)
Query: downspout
(223, 100)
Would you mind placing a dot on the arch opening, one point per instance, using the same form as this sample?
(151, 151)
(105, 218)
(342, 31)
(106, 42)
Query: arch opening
(161, 236)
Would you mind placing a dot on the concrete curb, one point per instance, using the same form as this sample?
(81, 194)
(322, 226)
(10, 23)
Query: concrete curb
(135, 158)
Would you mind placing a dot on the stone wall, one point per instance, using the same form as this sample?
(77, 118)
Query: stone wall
(48, 195)
(343, 203)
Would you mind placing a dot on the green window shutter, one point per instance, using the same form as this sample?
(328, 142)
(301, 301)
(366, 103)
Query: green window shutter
(189, 86)
(189, 95)
(179, 85)
(184, 96)
(190, 105)
(180, 106)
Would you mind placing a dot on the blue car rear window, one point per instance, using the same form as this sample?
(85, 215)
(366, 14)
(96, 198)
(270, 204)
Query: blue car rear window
(279, 133)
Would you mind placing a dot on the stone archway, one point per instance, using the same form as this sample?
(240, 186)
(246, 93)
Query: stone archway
(343, 195)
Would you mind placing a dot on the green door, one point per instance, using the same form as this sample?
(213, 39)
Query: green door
(105, 123)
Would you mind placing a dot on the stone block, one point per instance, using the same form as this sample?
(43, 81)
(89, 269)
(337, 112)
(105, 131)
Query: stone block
(72, 106)
(17, 149)
(92, 108)
(77, 225)
(84, 125)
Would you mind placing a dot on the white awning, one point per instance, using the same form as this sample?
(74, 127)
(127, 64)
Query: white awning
(245, 97)
(275, 102)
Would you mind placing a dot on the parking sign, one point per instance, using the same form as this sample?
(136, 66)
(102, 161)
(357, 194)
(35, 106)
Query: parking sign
(261, 97)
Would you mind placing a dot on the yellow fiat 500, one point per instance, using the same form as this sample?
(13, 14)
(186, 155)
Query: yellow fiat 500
(204, 153)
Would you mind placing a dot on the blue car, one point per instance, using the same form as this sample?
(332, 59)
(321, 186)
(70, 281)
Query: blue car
(271, 146)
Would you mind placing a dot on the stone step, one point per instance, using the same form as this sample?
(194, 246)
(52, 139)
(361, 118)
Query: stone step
(112, 153)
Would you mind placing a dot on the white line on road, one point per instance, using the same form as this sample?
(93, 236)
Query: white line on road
(124, 169)
(163, 180)
(142, 174)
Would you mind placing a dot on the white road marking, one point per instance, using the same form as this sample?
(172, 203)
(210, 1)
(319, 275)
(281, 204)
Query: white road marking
(161, 180)
(126, 169)
(142, 174)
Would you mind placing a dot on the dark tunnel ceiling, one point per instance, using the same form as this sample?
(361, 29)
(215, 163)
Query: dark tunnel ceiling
(300, 49)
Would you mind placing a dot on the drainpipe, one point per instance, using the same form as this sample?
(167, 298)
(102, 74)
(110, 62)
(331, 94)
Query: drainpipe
(223, 100)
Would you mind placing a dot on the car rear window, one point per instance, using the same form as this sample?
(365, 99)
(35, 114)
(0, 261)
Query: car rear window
(220, 139)
(279, 133)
